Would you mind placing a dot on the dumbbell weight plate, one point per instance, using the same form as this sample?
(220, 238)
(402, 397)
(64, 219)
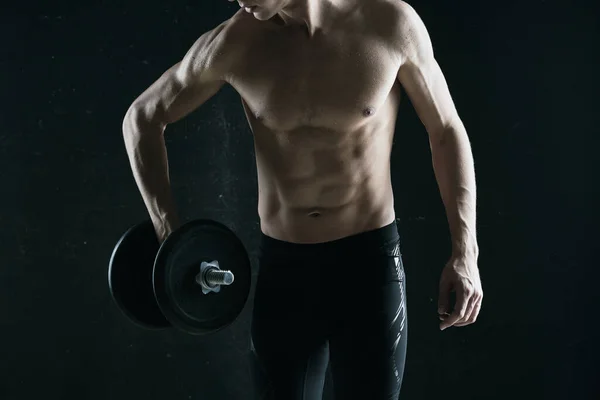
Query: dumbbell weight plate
(178, 262)
(130, 276)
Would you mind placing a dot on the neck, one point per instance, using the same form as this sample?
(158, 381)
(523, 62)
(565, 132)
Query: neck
(312, 14)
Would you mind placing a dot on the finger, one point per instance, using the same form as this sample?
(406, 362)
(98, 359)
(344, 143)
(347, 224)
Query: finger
(476, 309)
(460, 310)
(470, 309)
(444, 297)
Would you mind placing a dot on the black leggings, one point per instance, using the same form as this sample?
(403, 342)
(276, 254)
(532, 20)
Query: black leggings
(341, 302)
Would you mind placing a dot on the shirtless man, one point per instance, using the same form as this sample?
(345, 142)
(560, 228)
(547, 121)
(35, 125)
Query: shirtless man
(320, 83)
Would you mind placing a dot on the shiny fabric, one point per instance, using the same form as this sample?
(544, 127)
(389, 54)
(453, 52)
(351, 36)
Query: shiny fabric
(340, 303)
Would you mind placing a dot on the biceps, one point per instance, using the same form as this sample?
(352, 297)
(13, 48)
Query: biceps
(174, 95)
(190, 91)
(428, 91)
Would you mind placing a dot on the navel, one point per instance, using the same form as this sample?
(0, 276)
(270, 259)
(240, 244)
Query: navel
(314, 214)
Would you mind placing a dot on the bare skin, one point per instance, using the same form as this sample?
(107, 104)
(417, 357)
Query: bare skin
(320, 82)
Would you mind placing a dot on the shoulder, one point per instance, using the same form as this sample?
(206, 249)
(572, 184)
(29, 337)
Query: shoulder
(222, 47)
(402, 26)
(392, 13)
(242, 27)
(231, 34)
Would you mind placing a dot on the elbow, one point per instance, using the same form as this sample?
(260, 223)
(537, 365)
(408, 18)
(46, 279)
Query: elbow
(438, 138)
(132, 116)
(138, 120)
(444, 135)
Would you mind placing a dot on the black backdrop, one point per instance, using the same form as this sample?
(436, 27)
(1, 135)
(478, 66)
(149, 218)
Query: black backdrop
(524, 77)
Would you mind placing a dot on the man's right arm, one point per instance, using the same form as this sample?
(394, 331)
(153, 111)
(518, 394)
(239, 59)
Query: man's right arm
(178, 92)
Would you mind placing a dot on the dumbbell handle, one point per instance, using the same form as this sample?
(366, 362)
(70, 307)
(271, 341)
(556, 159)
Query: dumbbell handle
(217, 277)
(211, 277)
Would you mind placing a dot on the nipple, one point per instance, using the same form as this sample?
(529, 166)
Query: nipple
(368, 111)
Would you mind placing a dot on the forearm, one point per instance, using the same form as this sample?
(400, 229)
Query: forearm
(455, 173)
(147, 153)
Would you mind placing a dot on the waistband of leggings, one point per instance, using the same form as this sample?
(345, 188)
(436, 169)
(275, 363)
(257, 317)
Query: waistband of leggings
(373, 240)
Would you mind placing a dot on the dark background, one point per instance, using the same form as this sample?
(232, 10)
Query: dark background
(524, 77)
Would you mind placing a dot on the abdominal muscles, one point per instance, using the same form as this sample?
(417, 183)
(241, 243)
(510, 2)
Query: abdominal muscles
(318, 185)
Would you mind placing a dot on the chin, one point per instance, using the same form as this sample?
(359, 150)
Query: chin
(263, 15)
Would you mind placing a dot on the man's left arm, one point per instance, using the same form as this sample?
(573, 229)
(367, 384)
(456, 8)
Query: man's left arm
(424, 82)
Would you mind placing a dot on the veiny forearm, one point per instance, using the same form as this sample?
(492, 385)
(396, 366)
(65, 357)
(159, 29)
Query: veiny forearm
(455, 174)
(147, 153)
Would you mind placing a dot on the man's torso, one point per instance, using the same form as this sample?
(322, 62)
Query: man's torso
(323, 112)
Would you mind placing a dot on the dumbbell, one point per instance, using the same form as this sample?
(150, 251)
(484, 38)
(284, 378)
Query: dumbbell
(197, 280)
